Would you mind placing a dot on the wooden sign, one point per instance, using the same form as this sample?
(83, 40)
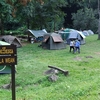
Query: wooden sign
(8, 55)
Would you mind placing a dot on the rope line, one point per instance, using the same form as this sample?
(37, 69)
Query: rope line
(3, 68)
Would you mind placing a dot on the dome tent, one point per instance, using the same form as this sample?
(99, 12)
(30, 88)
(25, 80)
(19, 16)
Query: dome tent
(76, 35)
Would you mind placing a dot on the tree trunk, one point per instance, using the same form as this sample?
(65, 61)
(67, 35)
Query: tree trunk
(54, 26)
(28, 27)
(2, 27)
(99, 20)
(28, 23)
(99, 29)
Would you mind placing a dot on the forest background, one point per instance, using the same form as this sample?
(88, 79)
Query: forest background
(17, 16)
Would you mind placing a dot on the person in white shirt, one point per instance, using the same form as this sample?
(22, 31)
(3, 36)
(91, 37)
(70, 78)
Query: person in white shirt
(72, 43)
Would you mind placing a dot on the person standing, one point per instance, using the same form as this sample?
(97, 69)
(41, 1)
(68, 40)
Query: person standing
(72, 43)
(77, 46)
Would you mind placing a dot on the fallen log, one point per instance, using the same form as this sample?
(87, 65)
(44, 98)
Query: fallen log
(65, 72)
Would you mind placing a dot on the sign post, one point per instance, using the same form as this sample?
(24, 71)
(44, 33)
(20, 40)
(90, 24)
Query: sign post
(8, 56)
(13, 82)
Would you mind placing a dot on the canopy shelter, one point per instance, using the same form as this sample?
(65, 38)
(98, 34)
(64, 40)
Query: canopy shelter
(53, 41)
(4, 69)
(37, 34)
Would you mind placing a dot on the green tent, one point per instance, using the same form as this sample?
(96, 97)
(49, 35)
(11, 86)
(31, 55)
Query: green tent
(65, 33)
(3, 68)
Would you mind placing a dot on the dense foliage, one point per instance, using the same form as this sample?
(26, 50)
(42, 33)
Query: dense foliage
(48, 14)
(85, 19)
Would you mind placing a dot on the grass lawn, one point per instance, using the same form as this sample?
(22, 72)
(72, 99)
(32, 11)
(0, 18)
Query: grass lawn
(82, 83)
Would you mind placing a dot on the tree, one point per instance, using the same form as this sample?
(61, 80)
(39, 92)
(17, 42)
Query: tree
(40, 14)
(85, 19)
(5, 14)
(54, 15)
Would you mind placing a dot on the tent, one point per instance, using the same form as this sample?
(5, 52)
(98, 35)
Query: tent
(88, 32)
(4, 69)
(37, 34)
(85, 33)
(53, 41)
(11, 40)
(65, 33)
(76, 35)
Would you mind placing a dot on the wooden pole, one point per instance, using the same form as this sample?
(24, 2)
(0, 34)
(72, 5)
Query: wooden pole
(13, 82)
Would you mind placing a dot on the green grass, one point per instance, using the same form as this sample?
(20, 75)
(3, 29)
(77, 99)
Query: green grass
(82, 83)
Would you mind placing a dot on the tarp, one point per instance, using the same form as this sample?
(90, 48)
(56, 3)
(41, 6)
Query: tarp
(37, 33)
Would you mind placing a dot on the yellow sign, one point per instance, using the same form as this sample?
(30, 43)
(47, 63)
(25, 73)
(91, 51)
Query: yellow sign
(8, 60)
(4, 50)
(8, 55)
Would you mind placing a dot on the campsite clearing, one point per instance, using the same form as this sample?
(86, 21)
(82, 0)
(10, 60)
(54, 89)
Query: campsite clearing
(82, 83)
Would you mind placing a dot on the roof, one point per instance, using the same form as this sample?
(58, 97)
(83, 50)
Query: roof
(37, 33)
(11, 40)
(56, 37)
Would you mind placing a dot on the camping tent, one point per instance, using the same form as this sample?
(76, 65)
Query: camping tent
(53, 41)
(11, 40)
(88, 32)
(4, 69)
(38, 34)
(65, 33)
(76, 35)
(85, 32)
